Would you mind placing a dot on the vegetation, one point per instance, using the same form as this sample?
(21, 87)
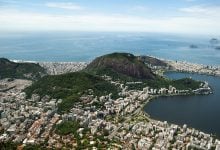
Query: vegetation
(8, 146)
(71, 127)
(14, 146)
(70, 87)
(120, 63)
(180, 84)
(34, 147)
(186, 83)
(116, 64)
(67, 127)
(160, 82)
(10, 69)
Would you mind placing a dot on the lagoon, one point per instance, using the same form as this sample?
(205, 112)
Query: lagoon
(199, 111)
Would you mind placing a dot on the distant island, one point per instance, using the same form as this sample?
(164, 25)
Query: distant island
(214, 41)
(96, 105)
(193, 46)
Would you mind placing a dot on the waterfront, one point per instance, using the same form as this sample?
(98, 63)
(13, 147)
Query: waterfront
(199, 111)
(123, 121)
(77, 46)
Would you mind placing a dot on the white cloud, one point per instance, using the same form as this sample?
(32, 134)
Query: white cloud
(203, 11)
(18, 20)
(61, 5)
(194, 9)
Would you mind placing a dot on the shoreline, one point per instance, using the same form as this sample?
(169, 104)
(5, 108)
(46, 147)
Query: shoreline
(181, 66)
(151, 119)
(139, 118)
(56, 67)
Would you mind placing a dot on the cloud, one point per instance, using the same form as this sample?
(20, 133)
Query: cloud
(203, 11)
(21, 20)
(194, 9)
(61, 5)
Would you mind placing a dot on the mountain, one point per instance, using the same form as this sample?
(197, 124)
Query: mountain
(9, 69)
(122, 64)
(79, 87)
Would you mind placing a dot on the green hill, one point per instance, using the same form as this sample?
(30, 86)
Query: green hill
(9, 69)
(70, 87)
(123, 65)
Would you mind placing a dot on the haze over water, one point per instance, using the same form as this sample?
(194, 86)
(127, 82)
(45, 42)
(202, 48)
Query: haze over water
(85, 46)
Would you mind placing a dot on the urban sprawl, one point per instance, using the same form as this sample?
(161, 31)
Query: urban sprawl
(122, 121)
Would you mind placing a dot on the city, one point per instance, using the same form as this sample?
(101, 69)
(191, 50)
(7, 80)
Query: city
(122, 121)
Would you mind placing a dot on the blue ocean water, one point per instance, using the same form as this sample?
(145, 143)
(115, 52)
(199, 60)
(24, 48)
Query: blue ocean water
(85, 46)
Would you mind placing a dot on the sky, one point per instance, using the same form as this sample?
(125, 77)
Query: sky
(167, 16)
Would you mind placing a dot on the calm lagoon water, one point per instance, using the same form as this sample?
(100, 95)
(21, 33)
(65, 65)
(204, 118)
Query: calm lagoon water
(85, 46)
(201, 111)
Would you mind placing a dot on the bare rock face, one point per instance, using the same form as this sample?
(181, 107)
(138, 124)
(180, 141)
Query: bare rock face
(123, 63)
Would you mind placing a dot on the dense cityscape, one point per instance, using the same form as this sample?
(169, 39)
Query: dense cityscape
(120, 124)
(109, 75)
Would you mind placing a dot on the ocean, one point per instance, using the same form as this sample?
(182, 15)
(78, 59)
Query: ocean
(200, 112)
(85, 46)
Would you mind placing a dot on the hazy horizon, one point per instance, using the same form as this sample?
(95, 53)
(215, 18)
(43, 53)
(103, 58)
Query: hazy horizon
(196, 17)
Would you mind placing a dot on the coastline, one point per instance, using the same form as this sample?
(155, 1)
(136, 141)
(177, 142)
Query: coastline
(54, 68)
(138, 117)
(181, 66)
